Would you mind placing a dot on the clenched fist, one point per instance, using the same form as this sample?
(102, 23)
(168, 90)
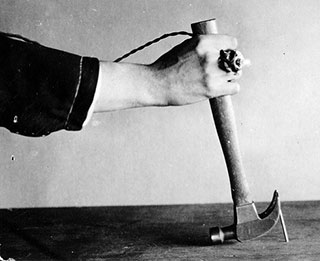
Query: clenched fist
(191, 70)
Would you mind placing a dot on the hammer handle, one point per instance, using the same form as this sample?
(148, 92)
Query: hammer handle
(223, 114)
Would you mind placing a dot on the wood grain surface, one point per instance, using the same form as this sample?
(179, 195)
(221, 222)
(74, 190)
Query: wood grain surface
(178, 232)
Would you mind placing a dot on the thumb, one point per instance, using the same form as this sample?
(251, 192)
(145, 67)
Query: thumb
(229, 88)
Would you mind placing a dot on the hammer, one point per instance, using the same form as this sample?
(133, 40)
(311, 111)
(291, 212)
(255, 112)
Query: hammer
(248, 224)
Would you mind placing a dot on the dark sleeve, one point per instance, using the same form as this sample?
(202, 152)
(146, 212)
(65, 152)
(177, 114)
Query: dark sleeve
(43, 90)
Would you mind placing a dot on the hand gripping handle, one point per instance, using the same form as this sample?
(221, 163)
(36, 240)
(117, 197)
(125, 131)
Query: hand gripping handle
(223, 114)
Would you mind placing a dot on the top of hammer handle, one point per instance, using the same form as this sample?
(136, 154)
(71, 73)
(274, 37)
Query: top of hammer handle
(205, 27)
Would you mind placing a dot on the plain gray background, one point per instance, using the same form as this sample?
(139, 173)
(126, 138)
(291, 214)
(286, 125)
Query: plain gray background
(172, 155)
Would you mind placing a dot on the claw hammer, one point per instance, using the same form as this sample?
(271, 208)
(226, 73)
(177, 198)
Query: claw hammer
(248, 224)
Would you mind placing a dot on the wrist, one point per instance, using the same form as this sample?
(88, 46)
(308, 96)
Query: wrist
(125, 85)
(152, 85)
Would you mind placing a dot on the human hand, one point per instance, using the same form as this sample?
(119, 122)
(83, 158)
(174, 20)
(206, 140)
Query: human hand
(191, 72)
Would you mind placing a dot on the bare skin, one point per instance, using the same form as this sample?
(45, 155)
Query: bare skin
(187, 74)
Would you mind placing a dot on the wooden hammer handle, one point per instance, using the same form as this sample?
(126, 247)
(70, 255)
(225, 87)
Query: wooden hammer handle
(223, 114)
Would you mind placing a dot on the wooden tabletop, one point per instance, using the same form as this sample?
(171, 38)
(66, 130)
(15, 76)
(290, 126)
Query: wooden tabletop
(178, 232)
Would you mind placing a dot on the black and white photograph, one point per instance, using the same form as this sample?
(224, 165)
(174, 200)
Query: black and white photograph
(159, 130)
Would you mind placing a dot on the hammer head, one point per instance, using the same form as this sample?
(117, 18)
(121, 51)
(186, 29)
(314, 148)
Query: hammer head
(248, 223)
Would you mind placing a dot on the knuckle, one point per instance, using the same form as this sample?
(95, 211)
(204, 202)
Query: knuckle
(236, 87)
(206, 45)
(209, 63)
(201, 47)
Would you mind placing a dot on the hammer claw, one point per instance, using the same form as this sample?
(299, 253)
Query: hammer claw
(275, 200)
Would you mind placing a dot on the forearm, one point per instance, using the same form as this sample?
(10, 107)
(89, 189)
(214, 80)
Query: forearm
(188, 73)
(124, 85)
